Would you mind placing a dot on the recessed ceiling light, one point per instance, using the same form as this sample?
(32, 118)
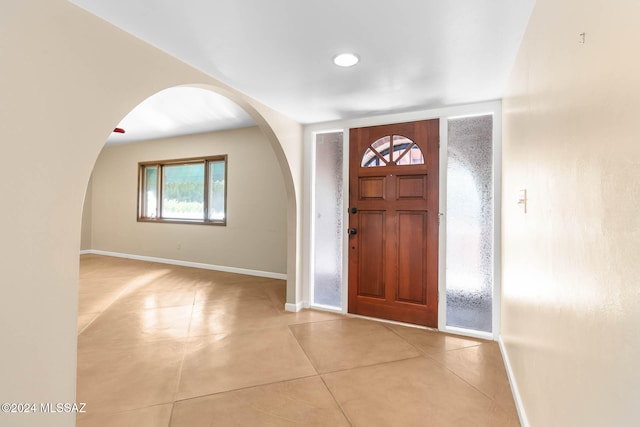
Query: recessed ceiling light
(346, 60)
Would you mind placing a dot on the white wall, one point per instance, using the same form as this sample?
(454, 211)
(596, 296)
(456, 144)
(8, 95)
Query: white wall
(255, 235)
(67, 79)
(571, 291)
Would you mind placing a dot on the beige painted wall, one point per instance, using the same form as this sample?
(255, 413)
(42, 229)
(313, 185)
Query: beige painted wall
(87, 216)
(255, 235)
(67, 79)
(571, 276)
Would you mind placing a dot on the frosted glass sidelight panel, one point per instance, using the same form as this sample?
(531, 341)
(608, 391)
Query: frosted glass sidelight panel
(328, 213)
(470, 223)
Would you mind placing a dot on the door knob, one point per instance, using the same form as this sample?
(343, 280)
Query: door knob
(354, 210)
(352, 231)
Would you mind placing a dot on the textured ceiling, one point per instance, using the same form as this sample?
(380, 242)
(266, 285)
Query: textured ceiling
(415, 54)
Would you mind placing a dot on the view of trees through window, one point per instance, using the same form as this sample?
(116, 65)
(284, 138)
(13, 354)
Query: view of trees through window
(183, 191)
(188, 190)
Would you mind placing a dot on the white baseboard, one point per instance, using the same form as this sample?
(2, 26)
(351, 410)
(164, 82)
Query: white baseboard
(294, 308)
(524, 422)
(236, 270)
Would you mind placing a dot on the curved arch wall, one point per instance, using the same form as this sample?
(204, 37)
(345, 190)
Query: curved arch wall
(67, 79)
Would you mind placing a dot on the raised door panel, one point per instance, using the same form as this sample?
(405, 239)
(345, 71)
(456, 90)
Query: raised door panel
(411, 255)
(371, 262)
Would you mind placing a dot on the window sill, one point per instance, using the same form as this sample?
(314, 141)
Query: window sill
(183, 221)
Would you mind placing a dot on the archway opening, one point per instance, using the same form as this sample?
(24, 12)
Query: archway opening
(198, 302)
(221, 110)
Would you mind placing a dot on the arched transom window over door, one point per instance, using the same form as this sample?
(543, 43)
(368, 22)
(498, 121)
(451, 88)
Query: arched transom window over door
(394, 150)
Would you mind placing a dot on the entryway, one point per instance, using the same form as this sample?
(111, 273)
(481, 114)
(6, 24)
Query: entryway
(393, 222)
(353, 174)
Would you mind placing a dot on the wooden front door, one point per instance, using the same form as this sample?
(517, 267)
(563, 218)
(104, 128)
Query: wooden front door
(393, 222)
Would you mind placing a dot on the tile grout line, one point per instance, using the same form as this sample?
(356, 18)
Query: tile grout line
(465, 381)
(427, 355)
(255, 385)
(302, 348)
(335, 399)
(184, 355)
(346, 417)
(404, 359)
(244, 388)
(423, 353)
(420, 354)
(353, 367)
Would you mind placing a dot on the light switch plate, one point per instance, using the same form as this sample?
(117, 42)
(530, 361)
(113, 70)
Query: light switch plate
(522, 199)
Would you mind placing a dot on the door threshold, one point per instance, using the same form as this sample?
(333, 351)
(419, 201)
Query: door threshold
(448, 330)
(469, 333)
(393, 322)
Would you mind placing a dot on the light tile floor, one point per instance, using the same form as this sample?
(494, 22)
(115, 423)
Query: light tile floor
(168, 346)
